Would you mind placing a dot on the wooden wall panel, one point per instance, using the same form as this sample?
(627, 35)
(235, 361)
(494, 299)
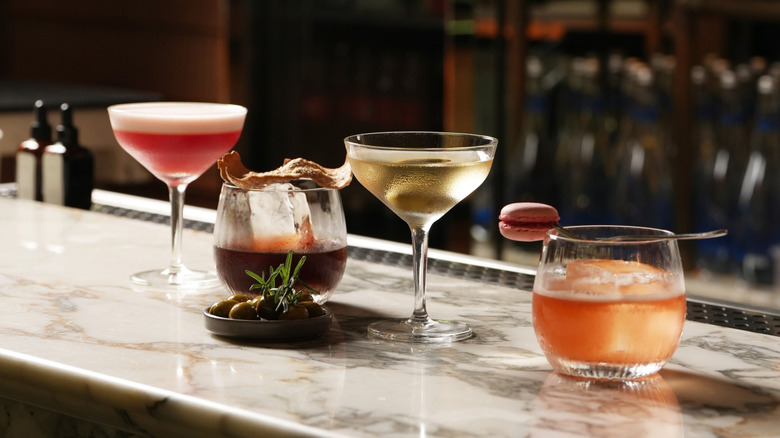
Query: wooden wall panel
(175, 47)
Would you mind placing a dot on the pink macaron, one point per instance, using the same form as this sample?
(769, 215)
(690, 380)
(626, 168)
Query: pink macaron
(527, 221)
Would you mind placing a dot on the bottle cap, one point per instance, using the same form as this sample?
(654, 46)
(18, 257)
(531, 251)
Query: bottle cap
(40, 129)
(766, 84)
(67, 134)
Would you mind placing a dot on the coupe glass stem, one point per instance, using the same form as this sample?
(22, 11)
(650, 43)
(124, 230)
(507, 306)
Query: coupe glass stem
(176, 195)
(420, 260)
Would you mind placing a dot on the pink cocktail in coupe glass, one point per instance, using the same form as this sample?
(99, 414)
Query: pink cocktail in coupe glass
(176, 142)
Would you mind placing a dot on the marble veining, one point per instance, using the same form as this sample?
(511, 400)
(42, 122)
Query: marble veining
(77, 340)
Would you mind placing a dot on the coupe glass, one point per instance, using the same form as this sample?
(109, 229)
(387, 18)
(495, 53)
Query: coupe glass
(256, 228)
(420, 176)
(608, 309)
(176, 142)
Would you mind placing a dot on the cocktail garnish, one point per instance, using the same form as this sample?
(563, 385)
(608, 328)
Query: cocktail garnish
(274, 302)
(285, 295)
(234, 172)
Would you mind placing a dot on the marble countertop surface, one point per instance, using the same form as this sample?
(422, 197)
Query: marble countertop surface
(76, 338)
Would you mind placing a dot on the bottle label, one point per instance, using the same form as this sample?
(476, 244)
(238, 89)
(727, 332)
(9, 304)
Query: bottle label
(53, 179)
(26, 175)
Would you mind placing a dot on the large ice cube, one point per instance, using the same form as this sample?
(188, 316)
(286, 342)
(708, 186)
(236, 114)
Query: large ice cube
(617, 277)
(277, 215)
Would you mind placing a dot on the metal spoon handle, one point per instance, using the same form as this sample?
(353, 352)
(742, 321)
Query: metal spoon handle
(639, 237)
(685, 236)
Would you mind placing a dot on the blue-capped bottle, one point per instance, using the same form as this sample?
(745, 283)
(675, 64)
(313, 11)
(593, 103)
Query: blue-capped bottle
(757, 229)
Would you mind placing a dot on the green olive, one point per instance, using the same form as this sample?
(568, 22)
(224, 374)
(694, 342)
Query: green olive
(222, 308)
(243, 311)
(266, 309)
(239, 298)
(296, 311)
(313, 309)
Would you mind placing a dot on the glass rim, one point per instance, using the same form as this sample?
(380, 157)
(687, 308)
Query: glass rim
(272, 189)
(552, 234)
(490, 142)
(130, 106)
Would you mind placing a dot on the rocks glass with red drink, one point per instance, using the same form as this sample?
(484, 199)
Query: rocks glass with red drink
(256, 228)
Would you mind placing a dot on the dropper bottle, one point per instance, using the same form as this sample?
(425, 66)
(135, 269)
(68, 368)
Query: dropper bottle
(28, 156)
(68, 167)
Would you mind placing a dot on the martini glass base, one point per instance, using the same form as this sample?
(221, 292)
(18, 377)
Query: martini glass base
(181, 279)
(430, 331)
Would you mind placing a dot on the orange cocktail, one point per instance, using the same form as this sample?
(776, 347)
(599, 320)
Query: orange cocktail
(608, 309)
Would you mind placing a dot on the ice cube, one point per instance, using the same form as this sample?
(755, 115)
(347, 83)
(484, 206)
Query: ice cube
(278, 215)
(616, 277)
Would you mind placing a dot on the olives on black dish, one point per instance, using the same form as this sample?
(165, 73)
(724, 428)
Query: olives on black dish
(240, 306)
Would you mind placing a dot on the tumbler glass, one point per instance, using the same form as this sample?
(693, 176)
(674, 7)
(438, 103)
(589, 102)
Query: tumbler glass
(608, 309)
(256, 228)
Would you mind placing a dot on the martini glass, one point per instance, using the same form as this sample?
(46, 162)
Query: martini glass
(420, 176)
(176, 142)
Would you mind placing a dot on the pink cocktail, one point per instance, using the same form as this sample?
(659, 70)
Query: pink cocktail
(176, 142)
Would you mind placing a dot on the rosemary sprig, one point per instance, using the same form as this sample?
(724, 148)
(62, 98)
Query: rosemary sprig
(284, 295)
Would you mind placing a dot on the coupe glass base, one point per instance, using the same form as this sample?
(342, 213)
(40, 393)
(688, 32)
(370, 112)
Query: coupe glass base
(605, 371)
(181, 279)
(432, 331)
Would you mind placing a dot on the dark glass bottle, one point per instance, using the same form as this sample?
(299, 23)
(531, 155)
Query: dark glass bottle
(529, 164)
(722, 178)
(586, 182)
(758, 226)
(644, 192)
(567, 109)
(67, 167)
(28, 156)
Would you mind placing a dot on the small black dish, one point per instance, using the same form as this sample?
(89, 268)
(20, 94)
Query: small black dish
(269, 330)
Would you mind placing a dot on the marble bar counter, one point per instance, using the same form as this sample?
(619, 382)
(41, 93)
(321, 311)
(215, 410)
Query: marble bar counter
(83, 353)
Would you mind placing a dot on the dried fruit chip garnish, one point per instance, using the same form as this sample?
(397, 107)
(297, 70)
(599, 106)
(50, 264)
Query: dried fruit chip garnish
(234, 172)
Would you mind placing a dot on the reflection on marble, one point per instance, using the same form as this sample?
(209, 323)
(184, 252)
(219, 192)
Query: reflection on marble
(77, 339)
(641, 408)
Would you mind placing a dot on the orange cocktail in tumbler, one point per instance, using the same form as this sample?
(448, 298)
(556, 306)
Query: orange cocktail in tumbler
(609, 309)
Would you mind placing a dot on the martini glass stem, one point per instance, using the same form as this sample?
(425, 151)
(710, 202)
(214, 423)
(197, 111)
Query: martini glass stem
(176, 195)
(420, 261)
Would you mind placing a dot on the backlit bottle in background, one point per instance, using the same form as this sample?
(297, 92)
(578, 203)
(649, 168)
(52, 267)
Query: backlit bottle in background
(757, 227)
(585, 168)
(614, 97)
(704, 104)
(703, 132)
(529, 162)
(722, 178)
(567, 110)
(663, 70)
(644, 191)
(28, 155)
